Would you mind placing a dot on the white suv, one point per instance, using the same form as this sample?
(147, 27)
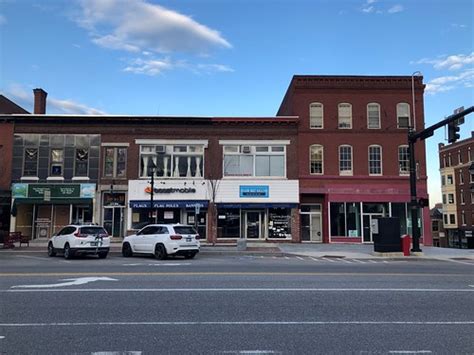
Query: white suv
(163, 240)
(80, 239)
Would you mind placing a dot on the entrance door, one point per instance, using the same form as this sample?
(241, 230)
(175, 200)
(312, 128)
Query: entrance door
(253, 224)
(316, 235)
(367, 230)
(113, 221)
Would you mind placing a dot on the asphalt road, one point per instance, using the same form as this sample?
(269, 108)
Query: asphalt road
(234, 304)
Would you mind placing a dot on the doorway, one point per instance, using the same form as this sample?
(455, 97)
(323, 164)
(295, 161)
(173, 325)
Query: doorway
(311, 223)
(253, 224)
(367, 226)
(113, 221)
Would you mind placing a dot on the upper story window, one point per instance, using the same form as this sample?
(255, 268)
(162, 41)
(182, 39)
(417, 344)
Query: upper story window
(316, 115)
(30, 161)
(254, 160)
(373, 116)
(345, 116)
(81, 162)
(56, 162)
(459, 157)
(443, 180)
(469, 154)
(115, 162)
(316, 159)
(403, 115)
(451, 198)
(375, 160)
(172, 161)
(449, 179)
(461, 177)
(403, 160)
(463, 199)
(450, 160)
(345, 160)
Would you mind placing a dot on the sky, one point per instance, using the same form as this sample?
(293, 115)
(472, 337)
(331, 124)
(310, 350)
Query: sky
(231, 57)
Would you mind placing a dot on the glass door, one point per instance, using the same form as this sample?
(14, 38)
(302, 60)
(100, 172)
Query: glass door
(367, 230)
(113, 221)
(253, 224)
(316, 235)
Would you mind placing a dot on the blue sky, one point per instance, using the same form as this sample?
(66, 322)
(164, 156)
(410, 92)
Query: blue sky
(230, 58)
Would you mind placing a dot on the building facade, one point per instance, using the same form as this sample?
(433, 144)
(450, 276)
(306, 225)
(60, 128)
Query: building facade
(353, 154)
(457, 188)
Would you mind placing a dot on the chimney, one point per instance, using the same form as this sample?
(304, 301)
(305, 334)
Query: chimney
(40, 101)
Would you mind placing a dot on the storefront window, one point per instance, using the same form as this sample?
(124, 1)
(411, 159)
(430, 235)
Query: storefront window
(338, 220)
(399, 210)
(228, 223)
(279, 223)
(353, 219)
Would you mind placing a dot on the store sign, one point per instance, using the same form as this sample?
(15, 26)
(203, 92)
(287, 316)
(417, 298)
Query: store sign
(256, 191)
(49, 192)
(171, 190)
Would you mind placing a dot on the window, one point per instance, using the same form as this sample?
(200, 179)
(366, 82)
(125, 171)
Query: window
(403, 160)
(450, 160)
(115, 159)
(345, 160)
(459, 157)
(443, 180)
(403, 115)
(81, 162)
(444, 199)
(461, 177)
(316, 159)
(345, 116)
(452, 219)
(445, 218)
(463, 200)
(435, 226)
(373, 115)
(463, 218)
(251, 160)
(172, 161)
(316, 119)
(472, 197)
(469, 154)
(375, 160)
(56, 162)
(30, 162)
(444, 161)
(228, 223)
(450, 179)
(450, 198)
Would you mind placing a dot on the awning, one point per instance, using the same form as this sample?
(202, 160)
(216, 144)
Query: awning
(35, 201)
(257, 205)
(169, 204)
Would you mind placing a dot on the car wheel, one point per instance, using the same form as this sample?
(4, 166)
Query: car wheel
(190, 255)
(127, 250)
(51, 251)
(68, 254)
(160, 252)
(103, 255)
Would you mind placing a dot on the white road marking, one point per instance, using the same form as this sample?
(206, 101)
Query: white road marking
(116, 353)
(2, 337)
(457, 261)
(359, 261)
(410, 352)
(243, 290)
(299, 257)
(71, 282)
(333, 261)
(372, 261)
(76, 324)
(347, 261)
(31, 257)
(314, 258)
(158, 264)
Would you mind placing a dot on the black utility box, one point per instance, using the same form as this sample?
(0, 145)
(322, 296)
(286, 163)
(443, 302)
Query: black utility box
(386, 234)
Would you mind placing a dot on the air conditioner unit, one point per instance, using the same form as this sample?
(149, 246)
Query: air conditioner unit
(246, 149)
(160, 149)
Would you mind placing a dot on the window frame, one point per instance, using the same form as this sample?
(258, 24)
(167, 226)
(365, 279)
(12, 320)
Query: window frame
(312, 118)
(400, 171)
(407, 105)
(51, 163)
(24, 161)
(316, 146)
(346, 172)
(368, 116)
(380, 161)
(115, 156)
(76, 161)
(339, 117)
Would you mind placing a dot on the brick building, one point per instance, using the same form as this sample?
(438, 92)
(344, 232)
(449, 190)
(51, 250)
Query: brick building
(457, 187)
(353, 153)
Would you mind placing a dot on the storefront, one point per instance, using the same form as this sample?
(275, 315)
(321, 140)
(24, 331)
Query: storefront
(257, 210)
(39, 210)
(183, 201)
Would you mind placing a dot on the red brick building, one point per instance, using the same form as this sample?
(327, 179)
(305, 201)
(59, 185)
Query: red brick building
(353, 153)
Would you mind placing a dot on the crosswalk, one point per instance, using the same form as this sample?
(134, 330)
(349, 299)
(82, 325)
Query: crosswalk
(328, 260)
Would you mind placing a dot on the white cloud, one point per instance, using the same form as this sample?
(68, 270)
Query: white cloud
(396, 8)
(368, 10)
(457, 25)
(3, 20)
(23, 97)
(451, 62)
(208, 68)
(135, 25)
(450, 82)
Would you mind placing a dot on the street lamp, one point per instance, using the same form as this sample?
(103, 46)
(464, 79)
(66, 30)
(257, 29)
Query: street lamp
(151, 173)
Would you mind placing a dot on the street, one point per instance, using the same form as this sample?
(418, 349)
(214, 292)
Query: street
(232, 304)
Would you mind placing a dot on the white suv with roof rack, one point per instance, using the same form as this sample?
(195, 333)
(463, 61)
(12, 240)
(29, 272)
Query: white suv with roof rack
(162, 240)
(75, 239)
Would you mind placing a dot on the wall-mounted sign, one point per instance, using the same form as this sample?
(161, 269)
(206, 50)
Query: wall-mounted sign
(247, 191)
(171, 190)
(48, 192)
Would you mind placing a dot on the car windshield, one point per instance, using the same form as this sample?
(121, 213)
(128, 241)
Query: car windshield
(185, 230)
(93, 230)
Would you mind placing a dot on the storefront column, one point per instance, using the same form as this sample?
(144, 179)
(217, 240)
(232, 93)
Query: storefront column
(295, 225)
(12, 218)
(212, 223)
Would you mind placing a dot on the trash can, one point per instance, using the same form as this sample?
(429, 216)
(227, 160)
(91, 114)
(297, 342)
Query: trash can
(386, 233)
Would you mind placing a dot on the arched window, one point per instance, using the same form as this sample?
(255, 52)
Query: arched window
(345, 160)
(316, 115)
(375, 160)
(316, 157)
(403, 115)
(345, 116)
(373, 115)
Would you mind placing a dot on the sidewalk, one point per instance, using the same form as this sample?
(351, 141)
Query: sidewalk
(349, 251)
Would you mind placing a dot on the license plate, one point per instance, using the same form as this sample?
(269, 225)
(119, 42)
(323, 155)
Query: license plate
(93, 244)
(189, 239)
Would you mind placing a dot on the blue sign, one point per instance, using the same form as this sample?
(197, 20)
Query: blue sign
(254, 191)
(168, 204)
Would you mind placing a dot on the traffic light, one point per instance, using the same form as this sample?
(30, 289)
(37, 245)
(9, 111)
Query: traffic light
(423, 202)
(453, 130)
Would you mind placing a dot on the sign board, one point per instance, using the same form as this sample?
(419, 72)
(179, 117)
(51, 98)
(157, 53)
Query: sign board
(254, 191)
(48, 192)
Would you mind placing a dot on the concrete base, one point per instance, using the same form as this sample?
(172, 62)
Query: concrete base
(416, 253)
(388, 255)
(241, 244)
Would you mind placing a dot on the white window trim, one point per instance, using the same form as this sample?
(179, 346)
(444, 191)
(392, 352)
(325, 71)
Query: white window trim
(111, 144)
(409, 115)
(203, 142)
(368, 122)
(322, 115)
(339, 117)
(253, 142)
(346, 172)
(400, 173)
(381, 159)
(322, 159)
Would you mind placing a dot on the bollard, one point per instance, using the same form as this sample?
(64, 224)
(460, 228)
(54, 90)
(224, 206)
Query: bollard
(406, 244)
(241, 244)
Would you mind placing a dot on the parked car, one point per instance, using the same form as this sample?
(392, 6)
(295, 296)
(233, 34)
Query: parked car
(76, 239)
(163, 240)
